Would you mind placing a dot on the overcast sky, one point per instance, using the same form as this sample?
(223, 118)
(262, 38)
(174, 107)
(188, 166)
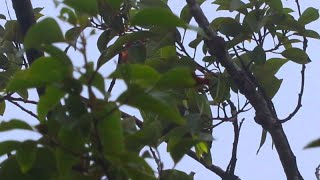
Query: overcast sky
(303, 128)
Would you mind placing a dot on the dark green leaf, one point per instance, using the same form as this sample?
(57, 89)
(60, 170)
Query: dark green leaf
(3, 17)
(296, 55)
(142, 75)
(195, 42)
(150, 103)
(275, 4)
(46, 31)
(65, 161)
(309, 15)
(176, 78)
(26, 155)
(58, 54)
(313, 144)
(2, 108)
(72, 35)
(271, 66)
(12, 31)
(223, 90)
(178, 147)
(14, 124)
(230, 27)
(309, 33)
(4, 62)
(263, 139)
(10, 168)
(118, 45)
(259, 56)
(173, 174)
(45, 70)
(104, 39)
(110, 130)
(115, 4)
(85, 6)
(48, 101)
(8, 146)
(134, 166)
(235, 4)
(68, 15)
(157, 16)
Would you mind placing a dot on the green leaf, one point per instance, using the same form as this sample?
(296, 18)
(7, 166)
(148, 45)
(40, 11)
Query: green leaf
(296, 55)
(259, 56)
(65, 161)
(313, 144)
(134, 166)
(118, 45)
(222, 90)
(151, 102)
(48, 101)
(85, 6)
(3, 17)
(45, 70)
(271, 66)
(2, 107)
(26, 155)
(173, 174)
(68, 15)
(235, 4)
(110, 130)
(275, 4)
(178, 147)
(141, 75)
(8, 146)
(4, 62)
(229, 27)
(46, 31)
(176, 78)
(309, 33)
(58, 54)
(10, 168)
(12, 31)
(157, 16)
(115, 4)
(309, 15)
(97, 81)
(14, 124)
(256, 20)
(263, 139)
(72, 35)
(104, 39)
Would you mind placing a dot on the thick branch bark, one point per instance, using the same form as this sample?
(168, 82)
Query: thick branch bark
(25, 17)
(264, 115)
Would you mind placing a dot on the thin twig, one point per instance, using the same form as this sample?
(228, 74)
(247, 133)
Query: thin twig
(23, 108)
(303, 69)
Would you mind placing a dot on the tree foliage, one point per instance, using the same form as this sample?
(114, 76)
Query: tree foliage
(181, 97)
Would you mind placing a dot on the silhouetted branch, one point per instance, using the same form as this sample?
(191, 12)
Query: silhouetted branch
(264, 115)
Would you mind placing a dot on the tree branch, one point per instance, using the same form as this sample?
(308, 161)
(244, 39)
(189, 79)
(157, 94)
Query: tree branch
(25, 17)
(264, 115)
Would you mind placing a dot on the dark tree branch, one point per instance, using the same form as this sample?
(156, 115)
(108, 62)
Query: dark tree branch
(25, 17)
(23, 108)
(216, 169)
(233, 161)
(299, 104)
(264, 115)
